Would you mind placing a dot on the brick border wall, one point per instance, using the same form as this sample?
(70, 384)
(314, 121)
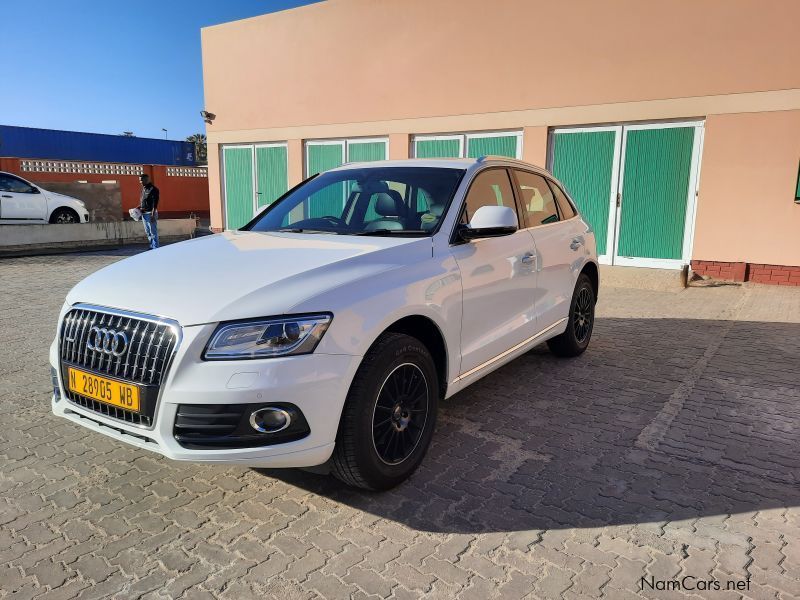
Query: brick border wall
(741, 271)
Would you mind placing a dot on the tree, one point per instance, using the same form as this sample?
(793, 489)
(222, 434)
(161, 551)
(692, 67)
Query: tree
(200, 148)
(127, 134)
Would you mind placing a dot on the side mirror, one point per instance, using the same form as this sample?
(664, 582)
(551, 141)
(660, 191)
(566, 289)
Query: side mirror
(489, 221)
(35, 190)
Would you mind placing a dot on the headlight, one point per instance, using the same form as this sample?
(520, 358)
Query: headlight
(264, 338)
(82, 203)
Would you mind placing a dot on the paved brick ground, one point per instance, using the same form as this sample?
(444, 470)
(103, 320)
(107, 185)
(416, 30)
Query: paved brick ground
(669, 449)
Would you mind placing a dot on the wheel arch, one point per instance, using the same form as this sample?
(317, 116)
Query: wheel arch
(428, 332)
(63, 207)
(593, 273)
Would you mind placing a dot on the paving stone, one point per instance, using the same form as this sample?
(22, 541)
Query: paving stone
(668, 448)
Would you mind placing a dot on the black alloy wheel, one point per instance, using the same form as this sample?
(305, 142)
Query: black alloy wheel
(401, 411)
(580, 321)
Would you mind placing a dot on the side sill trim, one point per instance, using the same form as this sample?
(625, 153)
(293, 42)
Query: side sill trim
(507, 352)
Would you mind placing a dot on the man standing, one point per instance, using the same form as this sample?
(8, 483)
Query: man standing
(148, 204)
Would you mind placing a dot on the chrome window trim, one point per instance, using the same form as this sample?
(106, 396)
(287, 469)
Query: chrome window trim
(172, 323)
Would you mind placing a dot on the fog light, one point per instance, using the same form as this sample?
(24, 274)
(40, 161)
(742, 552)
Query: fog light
(270, 419)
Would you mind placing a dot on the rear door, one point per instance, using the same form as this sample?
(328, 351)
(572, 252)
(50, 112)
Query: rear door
(20, 201)
(498, 277)
(557, 244)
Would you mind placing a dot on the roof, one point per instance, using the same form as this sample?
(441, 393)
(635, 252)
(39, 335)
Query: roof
(442, 163)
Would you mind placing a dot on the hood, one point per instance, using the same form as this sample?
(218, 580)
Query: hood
(242, 274)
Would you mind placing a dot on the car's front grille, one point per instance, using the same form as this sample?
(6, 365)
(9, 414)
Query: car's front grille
(143, 359)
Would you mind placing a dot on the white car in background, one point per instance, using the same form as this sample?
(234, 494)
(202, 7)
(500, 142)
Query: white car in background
(23, 202)
(327, 330)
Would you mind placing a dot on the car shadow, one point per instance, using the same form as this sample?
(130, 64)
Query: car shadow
(661, 419)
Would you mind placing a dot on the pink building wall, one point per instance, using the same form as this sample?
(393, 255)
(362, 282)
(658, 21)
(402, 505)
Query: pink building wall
(396, 68)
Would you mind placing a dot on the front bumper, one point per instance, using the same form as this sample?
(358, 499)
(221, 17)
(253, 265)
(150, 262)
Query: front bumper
(316, 383)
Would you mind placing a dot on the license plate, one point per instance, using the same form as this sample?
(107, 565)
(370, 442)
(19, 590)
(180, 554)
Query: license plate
(105, 390)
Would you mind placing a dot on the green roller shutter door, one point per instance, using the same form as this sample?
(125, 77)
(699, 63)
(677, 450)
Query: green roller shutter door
(505, 145)
(271, 176)
(238, 186)
(584, 163)
(655, 192)
(366, 151)
(437, 149)
(330, 201)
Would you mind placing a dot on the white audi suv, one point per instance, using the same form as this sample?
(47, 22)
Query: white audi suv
(327, 330)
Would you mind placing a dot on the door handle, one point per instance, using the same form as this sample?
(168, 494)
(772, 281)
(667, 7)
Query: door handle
(528, 259)
(7, 196)
(576, 243)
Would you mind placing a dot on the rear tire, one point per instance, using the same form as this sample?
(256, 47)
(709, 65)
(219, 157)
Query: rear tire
(389, 416)
(580, 323)
(64, 216)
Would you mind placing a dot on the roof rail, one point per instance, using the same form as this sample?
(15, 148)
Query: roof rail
(486, 157)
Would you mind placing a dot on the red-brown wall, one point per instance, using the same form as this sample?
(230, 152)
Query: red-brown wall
(179, 195)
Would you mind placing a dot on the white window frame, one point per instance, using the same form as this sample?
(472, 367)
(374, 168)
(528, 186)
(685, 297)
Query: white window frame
(436, 138)
(345, 145)
(253, 169)
(366, 140)
(463, 140)
(612, 226)
(491, 134)
(256, 193)
(618, 183)
(691, 201)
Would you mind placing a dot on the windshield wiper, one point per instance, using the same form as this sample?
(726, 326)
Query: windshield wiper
(393, 232)
(301, 230)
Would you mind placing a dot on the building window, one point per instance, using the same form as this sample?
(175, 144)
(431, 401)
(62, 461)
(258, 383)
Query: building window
(187, 172)
(469, 145)
(322, 155)
(54, 166)
(254, 176)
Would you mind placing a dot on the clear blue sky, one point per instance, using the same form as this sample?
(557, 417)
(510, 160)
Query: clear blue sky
(106, 66)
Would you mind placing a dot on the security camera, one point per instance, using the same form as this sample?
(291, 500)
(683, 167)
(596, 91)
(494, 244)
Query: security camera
(207, 116)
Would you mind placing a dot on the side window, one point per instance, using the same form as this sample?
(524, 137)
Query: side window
(9, 183)
(489, 188)
(564, 206)
(538, 201)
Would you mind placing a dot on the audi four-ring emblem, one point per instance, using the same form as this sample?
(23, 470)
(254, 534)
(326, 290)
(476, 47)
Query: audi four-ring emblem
(107, 341)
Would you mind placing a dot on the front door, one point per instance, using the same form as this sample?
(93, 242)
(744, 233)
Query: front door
(635, 185)
(498, 277)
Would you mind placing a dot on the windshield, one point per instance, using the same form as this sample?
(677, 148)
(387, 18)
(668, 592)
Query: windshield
(365, 201)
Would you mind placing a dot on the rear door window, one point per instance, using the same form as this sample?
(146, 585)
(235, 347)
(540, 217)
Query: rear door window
(564, 205)
(538, 201)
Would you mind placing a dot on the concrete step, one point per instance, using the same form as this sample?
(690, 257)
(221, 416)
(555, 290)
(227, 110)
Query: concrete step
(642, 278)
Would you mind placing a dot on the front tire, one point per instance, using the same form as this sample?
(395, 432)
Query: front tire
(64, 216)
(389, 416)
(580, 324)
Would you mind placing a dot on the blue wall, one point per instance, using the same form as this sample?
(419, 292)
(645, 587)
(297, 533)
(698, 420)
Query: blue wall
(27, 142)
